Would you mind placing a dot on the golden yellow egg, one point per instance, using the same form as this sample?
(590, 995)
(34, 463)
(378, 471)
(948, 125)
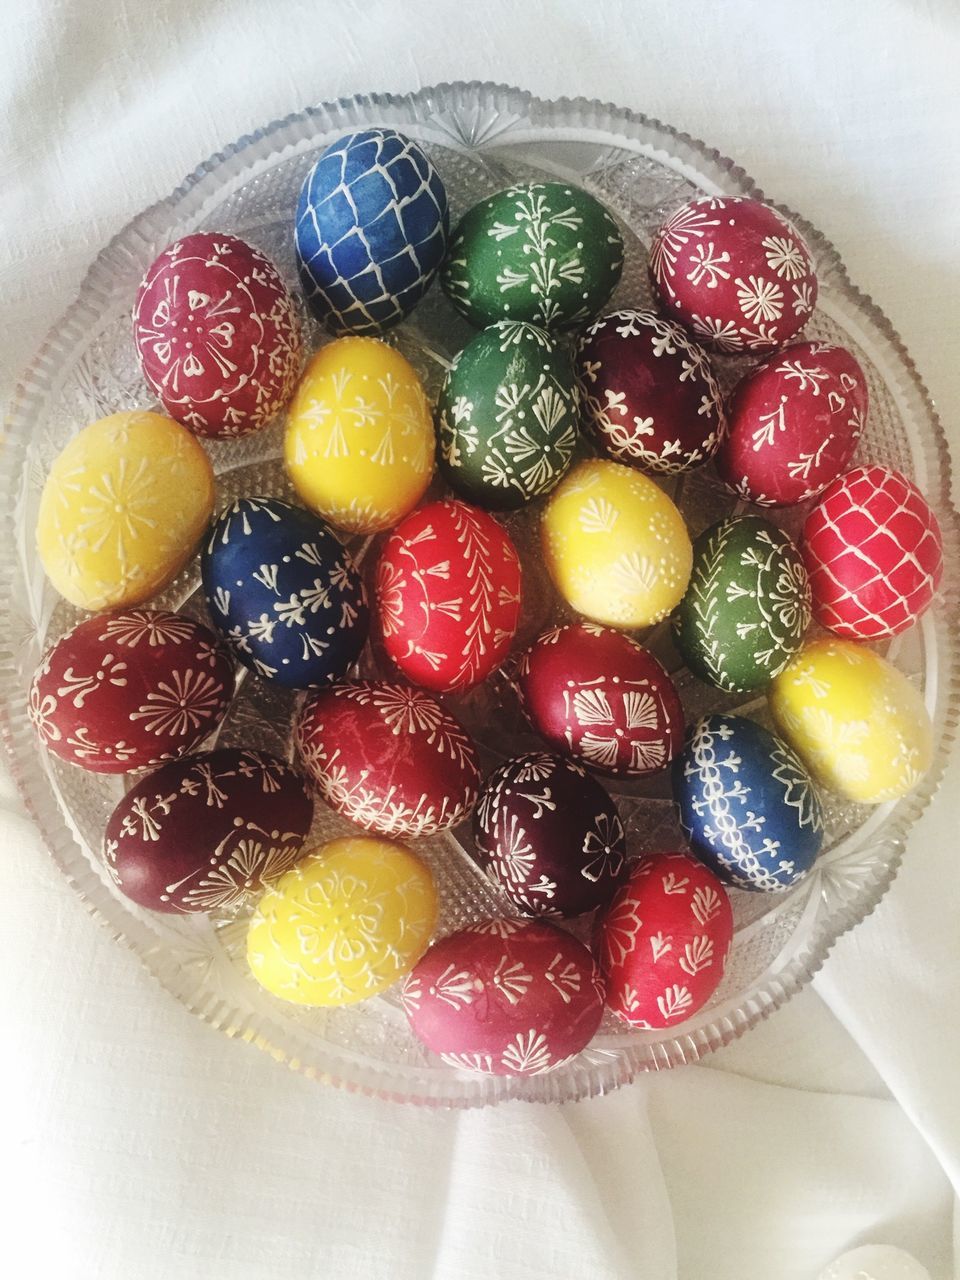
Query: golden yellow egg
(344, 924)
(858, 723)
(123, 508)
(360, 443)
(616, 547)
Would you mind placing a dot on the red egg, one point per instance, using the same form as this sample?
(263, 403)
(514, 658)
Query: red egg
(201, 833)
(129, 690)
(649, 393)
(595, 694)
(664, 941)
(874, 554)
(734, 271)
(506, 997)
(448, 595)
(794, 424)
(217, 335)
(388, 757)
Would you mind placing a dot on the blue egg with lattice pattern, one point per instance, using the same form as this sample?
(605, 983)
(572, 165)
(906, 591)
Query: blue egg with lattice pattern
(747, 805)
(372, 228)
(284, 592)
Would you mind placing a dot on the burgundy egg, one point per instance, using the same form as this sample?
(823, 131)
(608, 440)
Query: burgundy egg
(200, 833)
(388, 757)
(505, 997)
(734, 271)
(217, 335)
(593, 693)
(649, 393)
(130, 690)
(794, 423)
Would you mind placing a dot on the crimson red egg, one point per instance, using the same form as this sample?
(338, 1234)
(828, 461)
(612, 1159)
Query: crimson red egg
(664, 941)
(874, 554)
(505, 997)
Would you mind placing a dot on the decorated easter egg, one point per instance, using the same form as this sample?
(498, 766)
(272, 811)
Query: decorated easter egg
(544, 252)
(448, 595)
(794, 423)
(858, 724)
(123, 509)
(388, 757)
(747, 804)
(129, 690)
(371, 231)
(505, 997)
(201, 833)
(734, 271)
(507, 416)
(349, 920)
(596, 695)
(649, 393)
(359, 445)
(747, 607)
(550, 834)
(664, 941)
(284, 592)
(874, 552)
(217, 335)
(615, 546)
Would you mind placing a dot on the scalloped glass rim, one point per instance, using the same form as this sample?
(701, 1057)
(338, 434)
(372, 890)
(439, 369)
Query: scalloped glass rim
(569, 119)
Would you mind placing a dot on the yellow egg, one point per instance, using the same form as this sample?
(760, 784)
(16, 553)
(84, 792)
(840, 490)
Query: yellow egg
(360, 443)
(857, 722)
(344, 924)
(123, 508)
(615, 545)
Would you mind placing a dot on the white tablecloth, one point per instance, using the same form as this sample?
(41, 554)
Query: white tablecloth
(139, 1143)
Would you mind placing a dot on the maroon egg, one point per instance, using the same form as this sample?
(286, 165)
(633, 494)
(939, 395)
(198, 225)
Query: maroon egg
(794, 423)
(595, 694)
(217, 335)
(649, 393)
(200, 833)
(734, 271)
(388, 757)
(506, 997)
(129, 690)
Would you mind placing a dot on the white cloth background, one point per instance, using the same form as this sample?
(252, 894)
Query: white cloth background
(139, 1143)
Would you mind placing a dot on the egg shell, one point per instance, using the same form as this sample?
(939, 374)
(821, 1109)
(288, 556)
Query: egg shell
(544, 252)
(123, 509)
(550, 835)
(284, 592)
(349, 920)
(664, 941)
(874, 552)
(735, 271)
(371, 231)
(649, 393)
(201, 833)
(359, 446)
(388, 757)
(747, 805)
(595, 694)
(217, 335)
(747, 607)
(855, 720)
(448, 595)
(507, 416)
(615, 546)
(505, 997)
(130, 690)
(794, 423)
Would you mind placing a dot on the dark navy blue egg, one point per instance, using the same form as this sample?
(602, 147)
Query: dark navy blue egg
(372, 229)
(747, 804)
(284, 592)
